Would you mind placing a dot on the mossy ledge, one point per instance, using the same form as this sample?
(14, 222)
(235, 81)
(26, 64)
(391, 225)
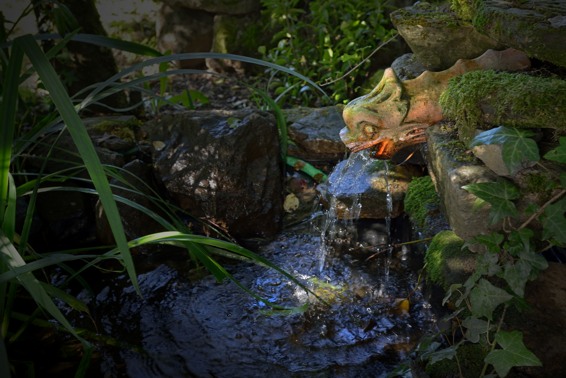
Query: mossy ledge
(500, 98)
(421, 198)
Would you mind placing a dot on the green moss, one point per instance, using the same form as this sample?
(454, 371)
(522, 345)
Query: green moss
(425, 15)
(421, 198)
(122, 129)
(447, 262)
(511, 99)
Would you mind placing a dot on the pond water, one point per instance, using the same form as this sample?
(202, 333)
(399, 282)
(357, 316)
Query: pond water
(361, 328)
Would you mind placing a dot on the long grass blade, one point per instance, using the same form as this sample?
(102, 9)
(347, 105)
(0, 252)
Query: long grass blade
(12, 259)
(8, 110)
(84, 145)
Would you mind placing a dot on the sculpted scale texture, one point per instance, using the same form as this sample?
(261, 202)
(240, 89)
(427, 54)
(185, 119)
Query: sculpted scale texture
(395, 114)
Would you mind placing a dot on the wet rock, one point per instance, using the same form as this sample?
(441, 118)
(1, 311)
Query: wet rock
(184, 30)
(316, 133)
(437, 37)
(224, 166)
(367, 188)
(407, 67)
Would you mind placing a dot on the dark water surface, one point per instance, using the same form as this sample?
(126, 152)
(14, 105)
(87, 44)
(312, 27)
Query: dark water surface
(208, 329)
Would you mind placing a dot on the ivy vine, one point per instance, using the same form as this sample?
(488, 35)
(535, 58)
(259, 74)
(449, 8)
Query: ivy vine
(510, 258)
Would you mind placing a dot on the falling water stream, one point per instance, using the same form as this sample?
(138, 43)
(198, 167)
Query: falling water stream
(203, 328)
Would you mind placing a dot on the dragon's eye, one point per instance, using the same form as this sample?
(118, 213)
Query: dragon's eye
(370, 130)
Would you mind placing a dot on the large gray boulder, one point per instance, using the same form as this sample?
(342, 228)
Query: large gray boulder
(223, 166)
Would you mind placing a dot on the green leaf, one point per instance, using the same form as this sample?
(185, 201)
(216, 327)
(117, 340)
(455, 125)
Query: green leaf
(559, 153)
(499, 195)
(517, 276)
(499, 135)
(554, 222)
(83, 143)
(519, 241)
(485, 298)
(517, 148)
(492, 241)
(474, 328)
(513, 353)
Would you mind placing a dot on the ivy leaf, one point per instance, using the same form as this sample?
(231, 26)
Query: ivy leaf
(554, 222)
(559, 153)
(499, 135)
(519, 241)
(474, 328)
(534, 259)
(513, 353)
(517, 148)
(517, 276)
(485, 298)
(492, 241)
(499, 195)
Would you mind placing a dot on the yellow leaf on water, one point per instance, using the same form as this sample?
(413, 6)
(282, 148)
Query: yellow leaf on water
(402, 306)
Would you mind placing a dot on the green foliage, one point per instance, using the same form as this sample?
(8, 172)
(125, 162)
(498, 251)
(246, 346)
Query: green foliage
(421, 198)
(324, 43)
(24, 269)
(512, 353)
(518, 150)
(510, 258)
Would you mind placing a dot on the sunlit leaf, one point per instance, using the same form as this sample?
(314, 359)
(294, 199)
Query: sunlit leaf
(499, 195)
(517, 148)
(485, 298)
(513, 353)
(554, 222)
(499, 135)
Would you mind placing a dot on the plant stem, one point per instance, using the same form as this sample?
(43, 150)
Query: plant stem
(540, 211)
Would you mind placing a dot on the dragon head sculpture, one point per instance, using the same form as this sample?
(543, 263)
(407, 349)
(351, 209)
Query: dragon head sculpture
(395, 114)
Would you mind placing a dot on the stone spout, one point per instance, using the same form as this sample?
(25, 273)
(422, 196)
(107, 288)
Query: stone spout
(395, 114)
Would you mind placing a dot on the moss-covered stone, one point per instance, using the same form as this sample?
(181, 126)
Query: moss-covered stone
(420, 200)
(501, 98)
(533, 26)
(447, 262)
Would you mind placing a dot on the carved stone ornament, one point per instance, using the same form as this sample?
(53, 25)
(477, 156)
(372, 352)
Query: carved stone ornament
(395, 114)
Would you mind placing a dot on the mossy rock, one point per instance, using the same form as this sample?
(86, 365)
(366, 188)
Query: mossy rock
(421, 200)
(481, 98)
(536, 27)
(447, 262)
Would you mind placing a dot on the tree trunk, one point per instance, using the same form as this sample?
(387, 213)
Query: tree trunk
(84, 64)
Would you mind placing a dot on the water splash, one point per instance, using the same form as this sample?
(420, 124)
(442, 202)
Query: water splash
(339, 219)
